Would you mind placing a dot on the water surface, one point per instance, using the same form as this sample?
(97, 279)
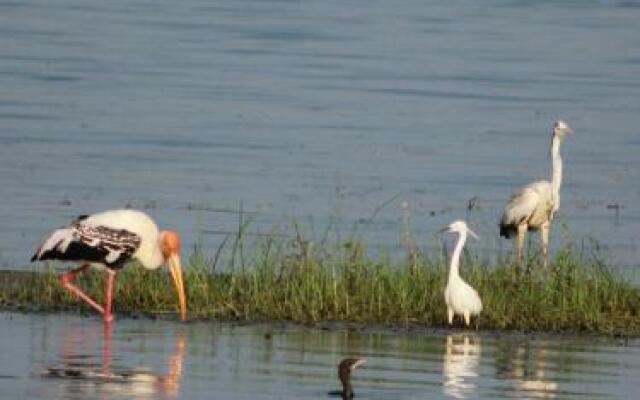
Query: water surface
(335, 111)
(162, 359)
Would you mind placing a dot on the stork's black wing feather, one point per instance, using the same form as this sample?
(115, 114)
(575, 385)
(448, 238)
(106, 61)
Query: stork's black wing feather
(77, 250)
(81, 242)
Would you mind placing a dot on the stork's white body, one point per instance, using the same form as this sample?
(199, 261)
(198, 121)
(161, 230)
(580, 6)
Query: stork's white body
(149, 254)
(534, 202)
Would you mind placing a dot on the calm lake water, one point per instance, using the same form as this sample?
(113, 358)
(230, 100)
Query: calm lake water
(223, 361)
(330, 112)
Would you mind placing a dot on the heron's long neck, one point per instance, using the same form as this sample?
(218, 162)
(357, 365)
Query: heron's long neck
(556, 164)
(455, 257)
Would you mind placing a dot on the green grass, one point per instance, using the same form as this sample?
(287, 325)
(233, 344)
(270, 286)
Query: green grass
(293, 280)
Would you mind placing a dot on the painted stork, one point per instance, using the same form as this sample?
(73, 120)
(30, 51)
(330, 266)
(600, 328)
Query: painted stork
(459, 296)
(533, 206)
(108, 240)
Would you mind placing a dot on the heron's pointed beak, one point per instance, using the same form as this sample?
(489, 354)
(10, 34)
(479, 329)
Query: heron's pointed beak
(176, 274)
(472, 233)
(443, 230)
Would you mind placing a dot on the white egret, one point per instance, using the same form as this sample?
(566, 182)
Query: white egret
(460, 297)
(533, 206)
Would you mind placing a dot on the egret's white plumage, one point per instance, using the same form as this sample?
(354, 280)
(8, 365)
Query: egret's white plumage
(533, 206)
(459, 296)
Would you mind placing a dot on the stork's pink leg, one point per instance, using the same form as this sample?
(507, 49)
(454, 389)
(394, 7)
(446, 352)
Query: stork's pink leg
(111, 277)
(106, 350)
(67, 280)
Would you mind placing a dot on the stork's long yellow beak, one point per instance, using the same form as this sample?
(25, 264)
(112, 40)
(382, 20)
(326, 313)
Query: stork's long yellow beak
(176, 274)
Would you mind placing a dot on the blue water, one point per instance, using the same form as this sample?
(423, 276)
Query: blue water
(332, 113)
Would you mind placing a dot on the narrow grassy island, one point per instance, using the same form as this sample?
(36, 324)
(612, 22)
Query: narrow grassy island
(294, 281)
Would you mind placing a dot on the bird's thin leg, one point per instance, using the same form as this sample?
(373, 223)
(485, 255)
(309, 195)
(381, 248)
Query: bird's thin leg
(522, 231)
(67, 280)
(467, 318)
(544, 236)
(111, 277)
(450, 315)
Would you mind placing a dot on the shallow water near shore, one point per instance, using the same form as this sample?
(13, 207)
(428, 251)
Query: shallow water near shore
(55, 356)
(325, 111)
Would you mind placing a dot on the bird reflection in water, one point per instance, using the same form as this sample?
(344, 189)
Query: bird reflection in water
(529, 370)
(460, 365)
(87, 379)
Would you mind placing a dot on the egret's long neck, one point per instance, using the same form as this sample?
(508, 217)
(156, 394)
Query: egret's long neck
(455, 257)
(556, 164)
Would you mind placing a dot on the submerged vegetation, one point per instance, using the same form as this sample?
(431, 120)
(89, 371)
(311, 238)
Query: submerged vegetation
(293, 280)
